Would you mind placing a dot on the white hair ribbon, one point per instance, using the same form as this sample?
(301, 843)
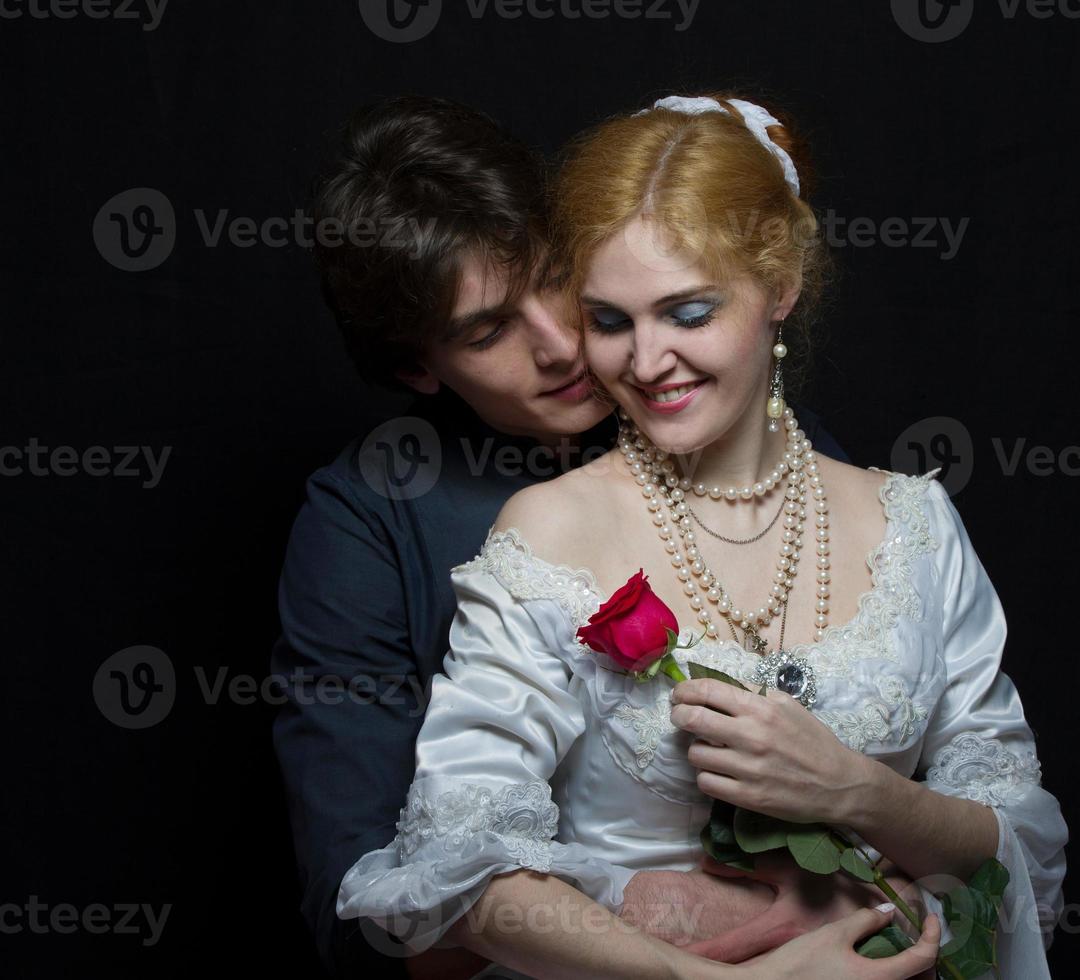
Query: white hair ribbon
(755, 117)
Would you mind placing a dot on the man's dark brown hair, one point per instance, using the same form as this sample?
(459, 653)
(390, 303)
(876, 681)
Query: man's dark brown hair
(417, 185)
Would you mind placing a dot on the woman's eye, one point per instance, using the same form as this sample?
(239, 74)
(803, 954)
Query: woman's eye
(488, 339)
(607, 321)
(694, 314)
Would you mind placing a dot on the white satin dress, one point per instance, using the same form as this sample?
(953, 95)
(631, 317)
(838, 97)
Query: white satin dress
(533, 755)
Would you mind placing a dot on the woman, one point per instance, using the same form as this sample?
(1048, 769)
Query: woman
(687, 239)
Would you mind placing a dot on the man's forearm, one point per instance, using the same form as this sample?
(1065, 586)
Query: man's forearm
(923, 832)
(541, 926)
(682, 907)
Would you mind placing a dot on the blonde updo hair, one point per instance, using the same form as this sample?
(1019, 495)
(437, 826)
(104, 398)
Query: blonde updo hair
(717, 192)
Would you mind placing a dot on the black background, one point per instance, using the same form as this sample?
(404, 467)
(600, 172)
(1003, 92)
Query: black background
(227, 356)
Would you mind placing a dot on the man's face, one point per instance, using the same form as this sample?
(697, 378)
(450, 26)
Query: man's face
(518, 364)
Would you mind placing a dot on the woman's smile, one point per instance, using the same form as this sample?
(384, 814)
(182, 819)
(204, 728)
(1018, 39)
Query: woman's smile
(668, 399)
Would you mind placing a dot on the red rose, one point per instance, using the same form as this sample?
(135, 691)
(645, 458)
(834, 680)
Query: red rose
(631, 627)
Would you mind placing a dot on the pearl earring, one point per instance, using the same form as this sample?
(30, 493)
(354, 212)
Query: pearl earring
(774, 408)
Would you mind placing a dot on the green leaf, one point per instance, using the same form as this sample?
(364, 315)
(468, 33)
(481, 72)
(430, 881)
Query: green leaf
(672, 640)
(813, 849)
(756, 832)
(718, 837)
(699, 670)
(886, 942)
(725, 854)
(855, 865)
(991, 879)
(972, 916)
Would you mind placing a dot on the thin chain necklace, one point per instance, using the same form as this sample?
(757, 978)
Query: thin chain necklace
(663, 490)
(717, 534)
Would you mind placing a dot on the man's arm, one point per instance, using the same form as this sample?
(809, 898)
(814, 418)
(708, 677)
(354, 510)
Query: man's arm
(345, 738)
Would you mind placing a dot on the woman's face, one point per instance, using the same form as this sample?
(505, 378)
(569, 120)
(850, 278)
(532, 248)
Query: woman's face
(689, 359)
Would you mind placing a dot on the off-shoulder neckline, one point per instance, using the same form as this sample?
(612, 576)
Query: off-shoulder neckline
(586, 578)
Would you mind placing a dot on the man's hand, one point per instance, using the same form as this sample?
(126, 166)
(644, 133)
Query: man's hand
(682, 907)
(803, 901)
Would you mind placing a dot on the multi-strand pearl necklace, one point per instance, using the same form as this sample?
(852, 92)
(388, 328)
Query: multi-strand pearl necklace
(665, 496)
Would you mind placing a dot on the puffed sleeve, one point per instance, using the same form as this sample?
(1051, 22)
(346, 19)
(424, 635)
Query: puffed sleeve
(979, 746)
(499, 721)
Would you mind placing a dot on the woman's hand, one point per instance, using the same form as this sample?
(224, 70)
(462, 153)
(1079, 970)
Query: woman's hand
(804, 901)
(828, 953)
(769, 754)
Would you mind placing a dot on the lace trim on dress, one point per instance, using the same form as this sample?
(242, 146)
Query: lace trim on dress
(983, 769)
(892, 715)
(507, 556)
(650, 725)
(522, 815)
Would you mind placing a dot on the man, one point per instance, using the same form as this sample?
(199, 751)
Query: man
(447, 293)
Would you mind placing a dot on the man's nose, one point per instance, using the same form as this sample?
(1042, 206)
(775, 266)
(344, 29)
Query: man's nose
(555, 338)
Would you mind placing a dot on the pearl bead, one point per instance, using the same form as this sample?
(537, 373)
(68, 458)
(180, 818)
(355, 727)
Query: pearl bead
(779, 351)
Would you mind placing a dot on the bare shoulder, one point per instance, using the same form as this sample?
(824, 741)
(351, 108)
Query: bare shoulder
(559, 517)
(854, 496)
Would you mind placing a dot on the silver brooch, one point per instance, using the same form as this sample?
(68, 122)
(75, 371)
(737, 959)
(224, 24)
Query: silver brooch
(792, 675)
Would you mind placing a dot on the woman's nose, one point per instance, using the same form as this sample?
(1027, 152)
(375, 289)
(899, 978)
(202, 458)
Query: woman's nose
(650, 356)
